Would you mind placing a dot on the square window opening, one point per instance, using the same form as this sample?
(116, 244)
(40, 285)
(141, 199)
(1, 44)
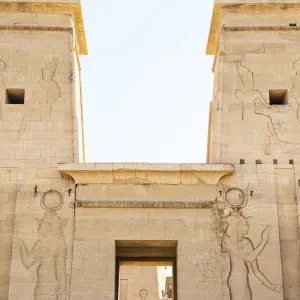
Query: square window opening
(146, 270)
(15, 96)
(278, 97)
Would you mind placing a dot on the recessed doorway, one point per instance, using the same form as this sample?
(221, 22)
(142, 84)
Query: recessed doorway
(146, 270)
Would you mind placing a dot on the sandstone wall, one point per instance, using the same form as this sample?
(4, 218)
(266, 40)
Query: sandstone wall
(198, 252)
(258, 54)
(36, 202)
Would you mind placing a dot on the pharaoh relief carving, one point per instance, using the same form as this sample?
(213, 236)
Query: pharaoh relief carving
(252, 98)
(48, 252)
(242, 253)
(38, 108)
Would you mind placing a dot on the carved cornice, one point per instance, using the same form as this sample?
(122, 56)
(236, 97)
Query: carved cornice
(60, 8)
(222, 7)
(146, 173)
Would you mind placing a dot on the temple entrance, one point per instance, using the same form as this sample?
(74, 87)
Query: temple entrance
(146, 270)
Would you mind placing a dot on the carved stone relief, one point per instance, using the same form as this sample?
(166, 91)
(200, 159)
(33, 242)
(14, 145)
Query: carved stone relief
(252, 98)
(143, 294)
(38, 108)
(295, 91)
(49, 252)
(2, 85)
(242, 253)
(204, 268)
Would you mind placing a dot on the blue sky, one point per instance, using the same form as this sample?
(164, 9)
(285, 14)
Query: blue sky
(147, 82)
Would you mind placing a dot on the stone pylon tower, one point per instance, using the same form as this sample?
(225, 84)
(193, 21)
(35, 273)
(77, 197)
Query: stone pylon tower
(40, 128)
(229, 228)
(255, 113)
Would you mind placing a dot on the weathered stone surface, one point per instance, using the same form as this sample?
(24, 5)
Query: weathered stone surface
(228, 228)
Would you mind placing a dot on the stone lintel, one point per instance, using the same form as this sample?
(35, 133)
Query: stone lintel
(245, 6)
(143, 173)
(60, 7)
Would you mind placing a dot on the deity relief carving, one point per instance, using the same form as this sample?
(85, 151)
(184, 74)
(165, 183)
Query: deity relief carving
(242, 253)
(251, 97)
(246, 91)
(295, 92)
(143, 294)
(38, 108)
(49, 252)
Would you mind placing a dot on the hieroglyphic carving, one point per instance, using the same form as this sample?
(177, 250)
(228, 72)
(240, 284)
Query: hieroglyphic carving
(49, 252)
(204, 267)
(241, 250)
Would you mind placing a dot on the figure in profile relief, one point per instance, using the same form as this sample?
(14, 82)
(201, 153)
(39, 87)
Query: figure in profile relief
(242, 253)
(39, 107)
(250, 96)
(48, 253)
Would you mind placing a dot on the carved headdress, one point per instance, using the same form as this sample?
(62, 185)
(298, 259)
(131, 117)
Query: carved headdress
(296, 66)
(51, 202)
(2, 65)
(245, 75)
(49, 70)
(235, 200)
